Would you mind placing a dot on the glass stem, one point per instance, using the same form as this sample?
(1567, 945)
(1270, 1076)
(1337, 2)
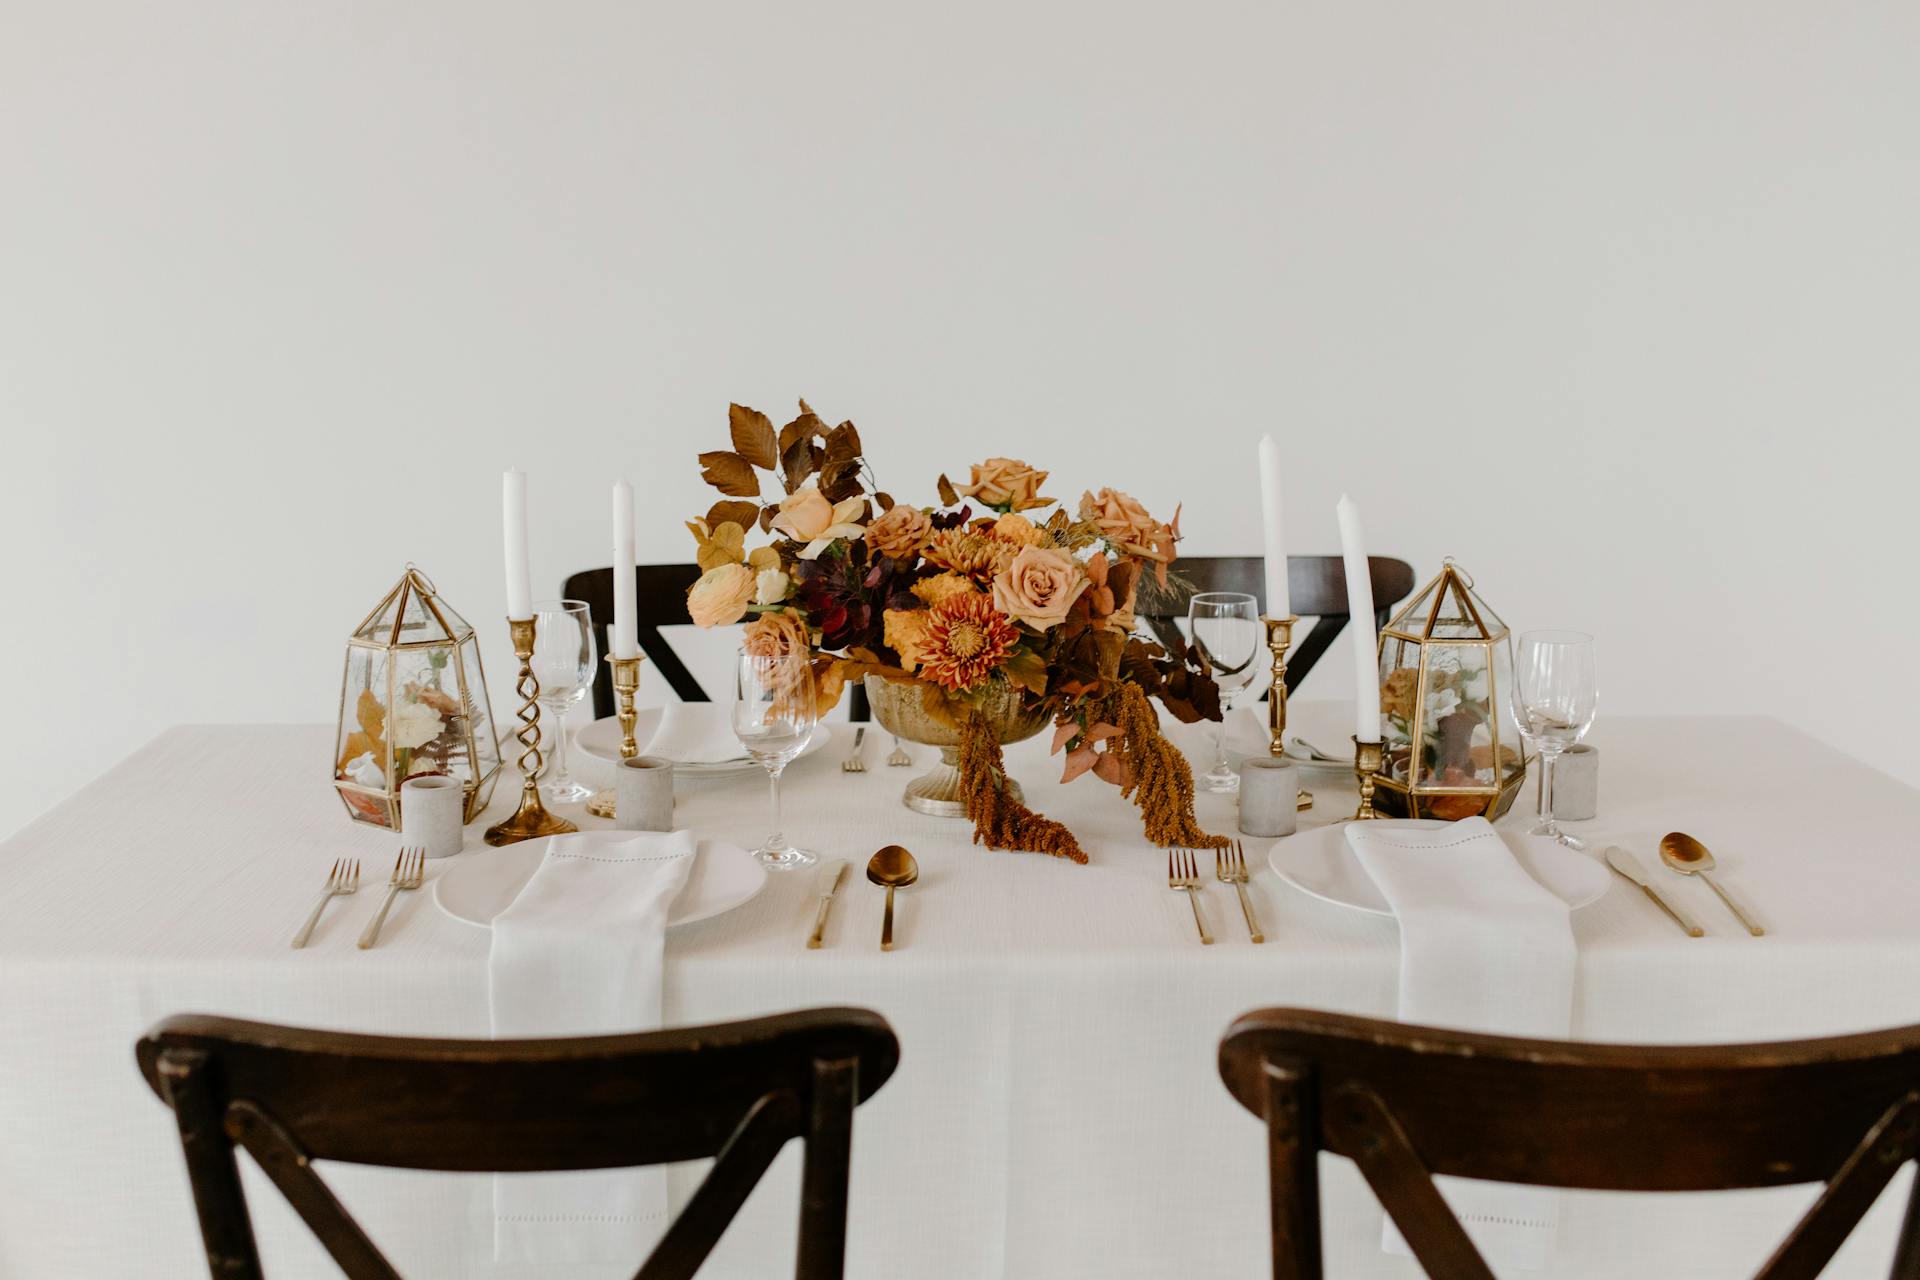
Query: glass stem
(776, 840)
(1220, 748)
(561, 779)
(1547, 823)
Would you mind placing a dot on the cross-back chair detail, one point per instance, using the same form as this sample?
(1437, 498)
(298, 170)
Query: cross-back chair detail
(735, 1091)
(1405, 1103)
(660, 600)
(1316, 587)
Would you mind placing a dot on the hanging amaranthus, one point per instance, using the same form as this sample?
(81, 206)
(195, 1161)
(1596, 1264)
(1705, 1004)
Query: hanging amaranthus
(1000, 821)
(1158, 778)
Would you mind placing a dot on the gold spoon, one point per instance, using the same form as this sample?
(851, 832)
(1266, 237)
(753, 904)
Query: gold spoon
(893, 868)
(1690, 858)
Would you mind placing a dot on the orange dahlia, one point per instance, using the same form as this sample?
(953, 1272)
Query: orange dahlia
(966, 639)
(977, 555)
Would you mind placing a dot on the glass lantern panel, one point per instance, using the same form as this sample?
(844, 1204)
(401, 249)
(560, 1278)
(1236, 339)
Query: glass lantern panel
(1511, 750)
(1491, 620)
(1412, 617)
(1454, 617)
(417, 623)
(473, 684)
(1399, 677)
(429, 725)
(360, 745)
(1456, 720)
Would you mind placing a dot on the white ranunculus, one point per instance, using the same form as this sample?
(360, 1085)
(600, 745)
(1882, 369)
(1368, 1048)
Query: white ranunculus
(770, 586)
(415, 724)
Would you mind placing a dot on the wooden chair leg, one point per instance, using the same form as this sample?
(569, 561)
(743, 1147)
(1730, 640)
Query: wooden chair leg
(1293, 1171)
(823, 1181)
(218, 1198)
(1906, 1257)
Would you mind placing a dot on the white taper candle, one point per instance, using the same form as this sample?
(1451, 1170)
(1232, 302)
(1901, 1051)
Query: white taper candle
(1366, 662)
(625, 641)
(513, 503)
(1278, 603)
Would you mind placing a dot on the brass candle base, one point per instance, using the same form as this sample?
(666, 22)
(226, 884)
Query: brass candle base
(626, 683)
(1368, 759)
(1279, 640)
(531, 819)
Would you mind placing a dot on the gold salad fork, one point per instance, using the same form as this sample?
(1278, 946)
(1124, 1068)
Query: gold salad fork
(899, 759)
(1183, 876)
(1230, 867)
(343, 879)
(407, 871)
(855, 762)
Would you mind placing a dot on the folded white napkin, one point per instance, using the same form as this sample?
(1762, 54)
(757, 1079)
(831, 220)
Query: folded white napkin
(1483, 947)
(696, 733)
(580, 952)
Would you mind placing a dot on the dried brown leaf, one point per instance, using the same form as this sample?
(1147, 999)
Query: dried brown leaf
(797, 462)
(753, 436)
(730, 473)
(725, 512)
(948, 496)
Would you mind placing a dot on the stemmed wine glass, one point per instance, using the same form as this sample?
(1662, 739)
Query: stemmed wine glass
(1228, 632)
(1556, 696)
(773, 716)
(563, 659)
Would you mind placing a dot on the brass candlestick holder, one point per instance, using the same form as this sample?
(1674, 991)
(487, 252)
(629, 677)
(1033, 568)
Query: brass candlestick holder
(1368, 759)
(1279, 641)
(626, 683)
(531, 819)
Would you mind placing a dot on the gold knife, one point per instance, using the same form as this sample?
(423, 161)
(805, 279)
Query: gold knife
(827, 883)
(1629, 866)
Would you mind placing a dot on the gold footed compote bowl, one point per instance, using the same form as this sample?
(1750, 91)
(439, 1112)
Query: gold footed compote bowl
(899, 708)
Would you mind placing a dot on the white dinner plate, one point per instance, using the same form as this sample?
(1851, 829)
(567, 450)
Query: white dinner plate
(601, 740)
(1321, 864)
(481, 884)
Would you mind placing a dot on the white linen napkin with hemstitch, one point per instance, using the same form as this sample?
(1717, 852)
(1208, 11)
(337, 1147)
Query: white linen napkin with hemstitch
(1483, 947)
(581, 952)
(696, 733)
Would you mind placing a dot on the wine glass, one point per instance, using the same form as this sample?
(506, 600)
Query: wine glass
(563, 658)
(1554, 702)
(773, 716)
(1228, 632)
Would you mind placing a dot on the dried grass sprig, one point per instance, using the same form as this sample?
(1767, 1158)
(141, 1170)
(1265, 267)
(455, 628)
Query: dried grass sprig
(1000, 821)
(1159, 779)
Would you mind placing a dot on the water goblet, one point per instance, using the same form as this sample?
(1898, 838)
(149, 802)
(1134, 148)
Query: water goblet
(563, 663)
(1228, 633)
(1556, 695)
(773, 716)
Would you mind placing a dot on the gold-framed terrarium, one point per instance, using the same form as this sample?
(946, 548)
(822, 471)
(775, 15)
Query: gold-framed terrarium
(413, 701)
(1453, 749)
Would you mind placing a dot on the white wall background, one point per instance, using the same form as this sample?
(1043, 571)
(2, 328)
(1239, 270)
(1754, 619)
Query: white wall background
(1614, 301)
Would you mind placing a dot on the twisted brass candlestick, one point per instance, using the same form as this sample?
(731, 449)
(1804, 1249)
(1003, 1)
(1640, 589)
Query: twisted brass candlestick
(626, 683)
(1279, 640)
(531, 819)
(1368, 759)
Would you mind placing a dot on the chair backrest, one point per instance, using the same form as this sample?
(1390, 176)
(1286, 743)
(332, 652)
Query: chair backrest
(737, 1091)
(660, 600)
(1405, 1102)
(1316, 587)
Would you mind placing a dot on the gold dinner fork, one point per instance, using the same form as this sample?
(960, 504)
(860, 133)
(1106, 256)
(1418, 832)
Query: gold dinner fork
(855, 762)
(407, 871)
(1230, 866)
(899, 759)
(344, 878)
(1183, 876)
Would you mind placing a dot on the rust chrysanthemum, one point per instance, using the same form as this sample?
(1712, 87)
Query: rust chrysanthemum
(966, 639)
(977, 555)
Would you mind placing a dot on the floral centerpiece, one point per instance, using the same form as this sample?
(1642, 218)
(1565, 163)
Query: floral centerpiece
(997, 604)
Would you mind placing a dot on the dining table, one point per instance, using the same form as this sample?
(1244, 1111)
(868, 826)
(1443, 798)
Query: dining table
(1057, 1113)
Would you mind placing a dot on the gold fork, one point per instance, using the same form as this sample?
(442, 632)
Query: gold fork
(1230, 866)
(1183, 875)
(899, 759)
(344, 878)
(407, 871)
(855, 762)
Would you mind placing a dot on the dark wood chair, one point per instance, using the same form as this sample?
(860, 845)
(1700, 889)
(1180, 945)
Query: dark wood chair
(737, 1091)
(1405, 1103)
(660, 600)
(1317, 586)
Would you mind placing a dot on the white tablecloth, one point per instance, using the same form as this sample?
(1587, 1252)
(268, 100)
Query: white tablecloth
(1056, 1114)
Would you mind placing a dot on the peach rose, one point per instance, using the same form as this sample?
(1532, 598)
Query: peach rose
(900, 532)
(780, 634)
(1006, 482)
(721, 596)
(1017, 528)
(804, 514)
(1122, 521)
(1039, 587)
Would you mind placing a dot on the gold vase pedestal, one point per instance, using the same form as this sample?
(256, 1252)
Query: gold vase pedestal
(626, 683)
(901, 710)
(531, 820)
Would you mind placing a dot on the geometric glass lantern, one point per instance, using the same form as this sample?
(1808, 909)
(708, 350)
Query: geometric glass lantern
(1446, 691)
(413, 701)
